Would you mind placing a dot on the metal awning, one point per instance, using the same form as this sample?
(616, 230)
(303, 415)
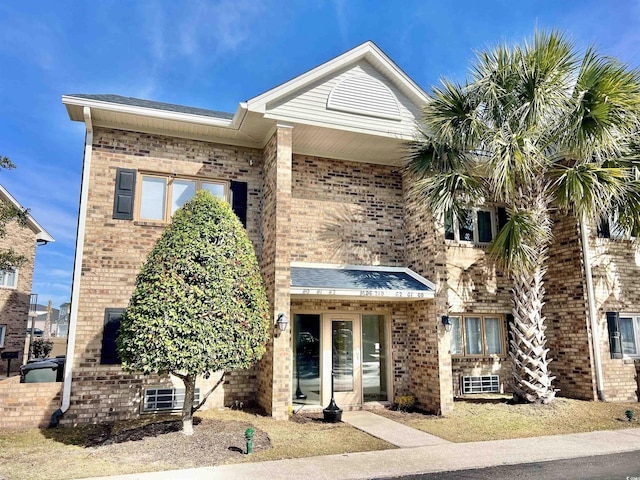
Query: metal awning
(359, 281)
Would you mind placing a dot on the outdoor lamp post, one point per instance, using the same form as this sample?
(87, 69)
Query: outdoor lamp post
(332, 413)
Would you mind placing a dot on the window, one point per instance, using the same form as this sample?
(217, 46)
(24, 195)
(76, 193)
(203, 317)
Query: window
(477, 335)
(3, 331)
(9, 278)
(476, 225)
(162, 195)
(630, 334)
(109, 353)
(609, 227)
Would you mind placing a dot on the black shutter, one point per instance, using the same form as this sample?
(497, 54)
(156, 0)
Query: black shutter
(603, 228)
(125, 191)
(112, 317)
(615, 342)
(509, 318)
(239, 200)
(503, 218)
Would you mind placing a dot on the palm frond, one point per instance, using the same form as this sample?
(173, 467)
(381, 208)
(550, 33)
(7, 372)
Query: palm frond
(450, 116)
(517, 246)
(605, 112)
(588, 188)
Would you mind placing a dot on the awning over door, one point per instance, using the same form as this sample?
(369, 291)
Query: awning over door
(359, 281)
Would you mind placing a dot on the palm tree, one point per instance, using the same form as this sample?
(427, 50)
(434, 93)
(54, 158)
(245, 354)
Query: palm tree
(536, 127)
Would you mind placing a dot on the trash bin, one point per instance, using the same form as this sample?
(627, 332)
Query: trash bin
(60, 359)
(39, 372)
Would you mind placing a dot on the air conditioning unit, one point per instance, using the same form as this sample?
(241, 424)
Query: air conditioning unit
(166, 399)
(480, 384)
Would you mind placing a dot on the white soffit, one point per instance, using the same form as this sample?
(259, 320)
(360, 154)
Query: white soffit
(41, 234)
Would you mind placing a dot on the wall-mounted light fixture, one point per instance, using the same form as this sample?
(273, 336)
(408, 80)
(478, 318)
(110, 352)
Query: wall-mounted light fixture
(446, 322)
(281, 323)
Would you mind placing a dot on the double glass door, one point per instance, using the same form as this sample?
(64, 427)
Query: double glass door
(349, 350)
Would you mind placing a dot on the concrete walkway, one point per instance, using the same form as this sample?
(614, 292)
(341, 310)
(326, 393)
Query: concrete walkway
(411, 461)
(391, 432)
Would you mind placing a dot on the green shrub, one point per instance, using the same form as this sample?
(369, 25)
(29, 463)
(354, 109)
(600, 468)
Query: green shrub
(199, 305)
(41, 348)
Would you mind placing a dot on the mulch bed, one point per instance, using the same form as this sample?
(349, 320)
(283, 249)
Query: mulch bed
(212, 443)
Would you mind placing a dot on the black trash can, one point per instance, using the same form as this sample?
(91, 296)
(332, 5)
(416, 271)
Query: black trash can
(39, 372)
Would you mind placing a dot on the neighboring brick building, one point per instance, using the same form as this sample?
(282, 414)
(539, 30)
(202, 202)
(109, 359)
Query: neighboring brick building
(362, 270)
(15, 285)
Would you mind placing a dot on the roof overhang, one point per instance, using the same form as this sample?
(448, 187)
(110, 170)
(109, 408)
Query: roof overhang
(41, 234)
(362, 282)
(253, 122)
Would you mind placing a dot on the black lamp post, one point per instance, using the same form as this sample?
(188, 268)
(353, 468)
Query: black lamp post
(299, 394)
(332, 413)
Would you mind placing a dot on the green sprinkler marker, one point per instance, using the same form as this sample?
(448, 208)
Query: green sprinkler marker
(248, 434)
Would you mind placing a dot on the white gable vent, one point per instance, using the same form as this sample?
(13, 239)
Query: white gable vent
(481, 384)
(364, 95)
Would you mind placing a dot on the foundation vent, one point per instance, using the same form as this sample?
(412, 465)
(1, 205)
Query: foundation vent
(166, 399)
(481, 384)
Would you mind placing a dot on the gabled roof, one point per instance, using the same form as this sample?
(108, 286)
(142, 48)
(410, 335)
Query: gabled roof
(359, 106)
(41, 234)
(367, 51)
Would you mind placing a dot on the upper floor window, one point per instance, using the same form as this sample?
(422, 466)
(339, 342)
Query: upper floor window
(477, 335)
(9, 278)
(3, 331)
(476, 225)
(162, 195)
(610, 228)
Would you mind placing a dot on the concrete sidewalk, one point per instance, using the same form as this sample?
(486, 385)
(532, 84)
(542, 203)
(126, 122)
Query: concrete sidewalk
(391, 432)
(408, 461)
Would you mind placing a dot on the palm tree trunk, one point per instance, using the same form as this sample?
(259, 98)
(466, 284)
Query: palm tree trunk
(528, 351)
(187, 408)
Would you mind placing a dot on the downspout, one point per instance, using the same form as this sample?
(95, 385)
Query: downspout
(77, 270)
(593, 314)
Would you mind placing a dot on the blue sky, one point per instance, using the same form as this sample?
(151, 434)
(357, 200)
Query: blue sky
(214, 54)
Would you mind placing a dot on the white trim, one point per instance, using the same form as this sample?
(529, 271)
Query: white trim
(77, 264)
(41, 234)
(337, 126)
(152, 112)
(3, 333)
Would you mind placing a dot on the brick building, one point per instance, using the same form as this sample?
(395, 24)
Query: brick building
(363, 273)
(15, 284)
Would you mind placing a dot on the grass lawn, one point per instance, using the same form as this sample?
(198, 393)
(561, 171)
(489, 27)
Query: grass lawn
(492, 417)
(154, 443)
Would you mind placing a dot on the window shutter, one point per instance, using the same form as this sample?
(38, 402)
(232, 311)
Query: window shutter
(503, 218)
(615, 342)
(125, 191)
(603, 228)
(239, 200)
(509, 318)
(112, 317)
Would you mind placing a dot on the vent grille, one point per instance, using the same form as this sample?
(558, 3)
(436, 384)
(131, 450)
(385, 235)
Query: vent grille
(166, 399)
(481, 384)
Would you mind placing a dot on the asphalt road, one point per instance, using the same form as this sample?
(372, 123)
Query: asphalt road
(620, 466)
